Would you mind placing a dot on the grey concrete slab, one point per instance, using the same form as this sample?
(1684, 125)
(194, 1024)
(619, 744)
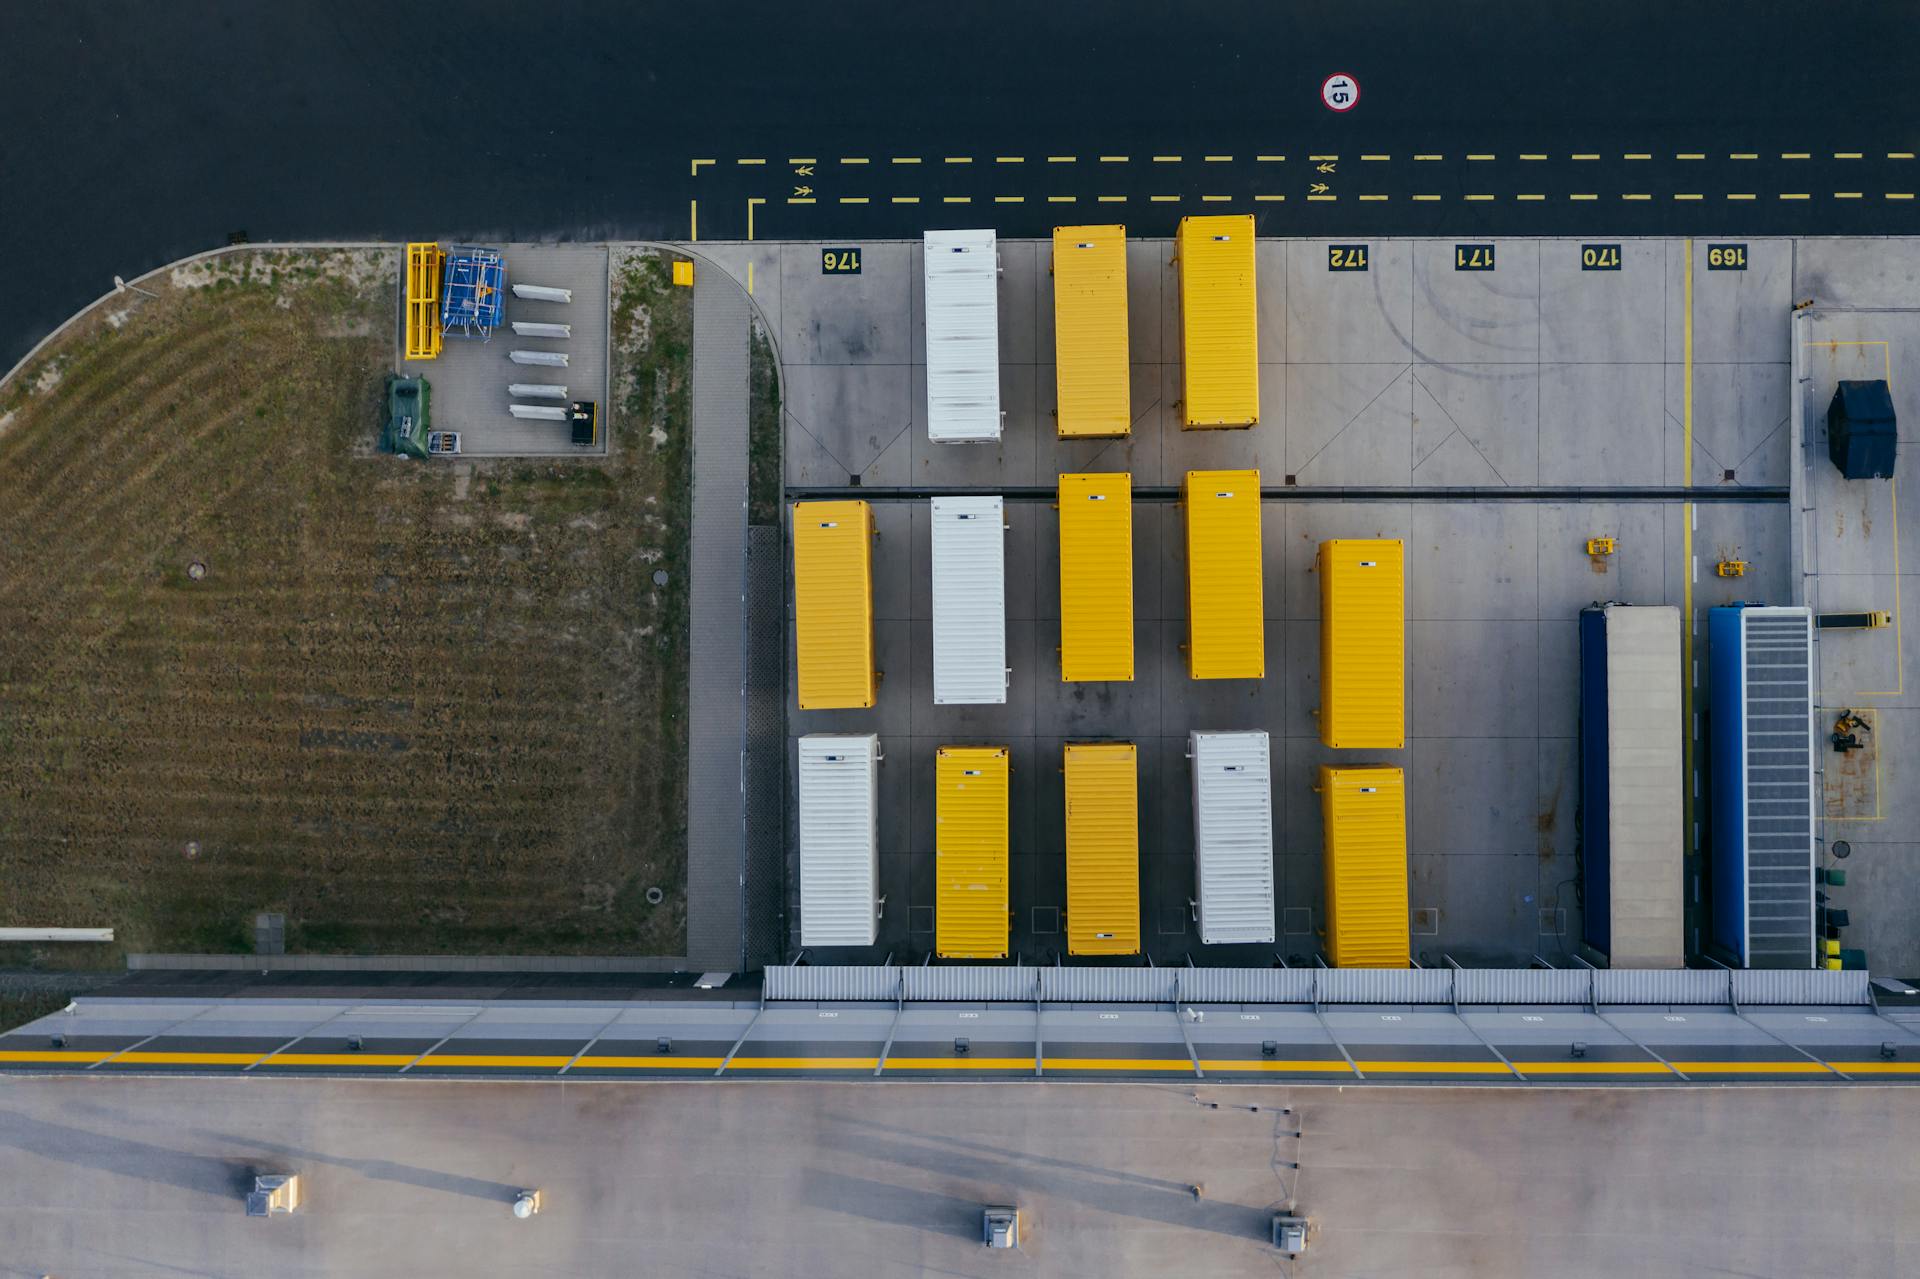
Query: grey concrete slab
(1350, 424)
(1602, 420)
(1473, 316)
(1476, 425)
(848, 319)
(1473, 679)
(1473, 561)
(1603, 317)
(1337, 317)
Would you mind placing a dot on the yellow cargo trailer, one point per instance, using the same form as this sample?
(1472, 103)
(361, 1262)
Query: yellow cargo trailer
(1363, 643)
(1090, 331)
(833, 603)
(1365, 814)
(1219, 322)
(970, 842)
(1103, 848)
(1226, 616)
(1096, 577)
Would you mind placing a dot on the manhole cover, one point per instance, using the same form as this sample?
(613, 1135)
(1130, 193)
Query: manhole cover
(660, 577)
(1841, 848)
(655, 896)
(196, 570)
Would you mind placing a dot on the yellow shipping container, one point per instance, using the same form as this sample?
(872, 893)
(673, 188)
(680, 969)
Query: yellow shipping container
(1103, 848)
(833, 603)
(1090, 331)
(1363, 643)
(970, 841)
(1365, 814)
(1219, 322)
(1096, 577)
(1226, 616)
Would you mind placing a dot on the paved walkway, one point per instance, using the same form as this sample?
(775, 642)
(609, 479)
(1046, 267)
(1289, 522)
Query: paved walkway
(716, 807)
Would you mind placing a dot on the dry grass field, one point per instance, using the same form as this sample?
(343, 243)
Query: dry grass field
(418, 707)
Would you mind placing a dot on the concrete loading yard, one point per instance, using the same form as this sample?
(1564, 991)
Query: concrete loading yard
(1568, 423)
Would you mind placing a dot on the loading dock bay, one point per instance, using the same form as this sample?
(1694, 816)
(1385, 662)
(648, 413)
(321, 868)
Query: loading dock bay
(1559, 370)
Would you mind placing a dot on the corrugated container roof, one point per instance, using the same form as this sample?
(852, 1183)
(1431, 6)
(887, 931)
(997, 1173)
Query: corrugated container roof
(839, 852)
(1096, 576)
(969, 600)
(970, 837)
(962, 272)
(1103, 848)
(1090, 331)
(1226, 614)
(833, 604)
(1363, 643)
(1364, 811)
(1233, 836)
(1219, 321)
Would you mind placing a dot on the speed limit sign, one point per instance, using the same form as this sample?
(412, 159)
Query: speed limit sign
(1340, 92)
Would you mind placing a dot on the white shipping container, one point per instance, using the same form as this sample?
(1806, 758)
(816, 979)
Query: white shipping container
(1233, 836)
(839, 845)
(969, 600)
(962, 270)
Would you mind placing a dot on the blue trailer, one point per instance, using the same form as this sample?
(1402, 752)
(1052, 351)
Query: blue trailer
(1632, 770)
(1760, 716)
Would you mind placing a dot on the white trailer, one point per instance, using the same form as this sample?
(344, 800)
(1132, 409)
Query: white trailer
(1232, 837)
(839, 841)
(969, 600)
(962, 272)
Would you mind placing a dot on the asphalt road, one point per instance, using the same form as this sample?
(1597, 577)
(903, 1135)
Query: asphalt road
(144, 1177)
(132, 134)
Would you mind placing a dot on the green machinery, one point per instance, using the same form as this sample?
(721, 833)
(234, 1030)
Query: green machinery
(406, 430)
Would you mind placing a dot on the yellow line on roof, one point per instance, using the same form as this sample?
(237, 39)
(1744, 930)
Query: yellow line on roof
(1269, 1065)
(803, 1063)
(959, 1063)
(663, 1061)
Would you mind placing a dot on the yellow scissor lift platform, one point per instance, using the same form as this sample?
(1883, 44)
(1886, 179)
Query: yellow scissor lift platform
(425, 261)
